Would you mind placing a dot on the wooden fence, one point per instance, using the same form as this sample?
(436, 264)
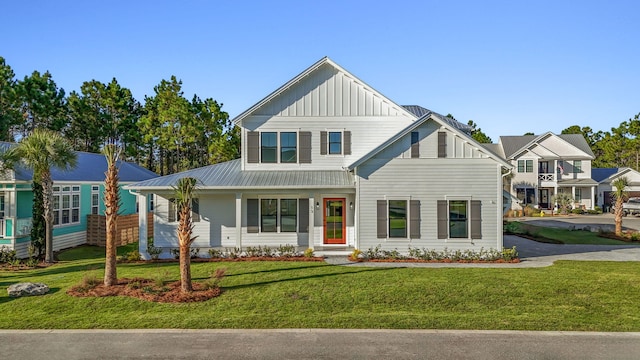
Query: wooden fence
(127, 229)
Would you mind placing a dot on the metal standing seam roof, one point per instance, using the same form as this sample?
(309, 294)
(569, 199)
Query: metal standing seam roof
(229, 175)
(577, 182)
(90, 167)
(512, 144)
(420, 111)
(600, 174)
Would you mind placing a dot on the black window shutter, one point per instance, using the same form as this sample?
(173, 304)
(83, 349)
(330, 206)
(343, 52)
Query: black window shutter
(382, 219)
(303, 215)
(253, 147)
(172, 210)
(323, 143)
(252, 216)
(442, 144)
(305, 147)
(195, 210)
(476, 219)
(414, 221)
(346, 137)
(443, 221)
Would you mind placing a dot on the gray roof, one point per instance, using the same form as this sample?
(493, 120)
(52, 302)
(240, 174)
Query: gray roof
(577, 182)
(420, 111)
(494, 148)
(599, 174)
(513, 144)
(90, 167)
(229, 175)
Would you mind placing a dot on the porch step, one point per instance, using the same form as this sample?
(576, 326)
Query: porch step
(333, 251)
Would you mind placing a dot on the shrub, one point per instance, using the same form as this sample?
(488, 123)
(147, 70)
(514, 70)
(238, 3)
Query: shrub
(88, 282)
(175, 253)
(233, 253)
(356, 254)
(577, 211)
(374, 253)
(216, 253)
(308, 253)
(133, 255)
(509, 254)
(287, 251)
(160, 278)
(7, 255)
(153, 251)
(194, 253)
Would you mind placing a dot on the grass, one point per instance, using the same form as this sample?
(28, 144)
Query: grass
(562, 236)
(584, 296)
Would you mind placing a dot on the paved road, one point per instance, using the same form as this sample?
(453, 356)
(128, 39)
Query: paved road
(316, 344)
(605, 222)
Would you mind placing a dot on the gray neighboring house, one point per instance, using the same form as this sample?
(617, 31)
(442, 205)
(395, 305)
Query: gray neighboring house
(606, 176)
(331, 164)
(547, 164)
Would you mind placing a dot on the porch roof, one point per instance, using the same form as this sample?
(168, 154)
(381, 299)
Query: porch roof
(577, 182)
(229, 175)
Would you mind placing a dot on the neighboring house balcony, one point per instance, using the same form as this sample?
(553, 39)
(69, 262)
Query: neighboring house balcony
(11, 227)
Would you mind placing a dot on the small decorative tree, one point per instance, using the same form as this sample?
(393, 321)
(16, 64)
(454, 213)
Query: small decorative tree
(564, 201)
(620, 194)
(112, 205)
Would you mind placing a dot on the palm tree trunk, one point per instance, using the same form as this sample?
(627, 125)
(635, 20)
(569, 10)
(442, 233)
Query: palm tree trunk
(618, 216)
(185, 268)
(111, 202)
(47, 192)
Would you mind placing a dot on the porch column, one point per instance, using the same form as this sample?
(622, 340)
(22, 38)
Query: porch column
(573, 195)
(143, 226)
(310, 213)
(239, 220)
(12, 202)
(593, 197)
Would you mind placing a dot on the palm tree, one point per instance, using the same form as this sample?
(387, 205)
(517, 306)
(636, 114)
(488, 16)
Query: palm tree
(184, 191)
(40, 151)
(112, 204)
(620, 194)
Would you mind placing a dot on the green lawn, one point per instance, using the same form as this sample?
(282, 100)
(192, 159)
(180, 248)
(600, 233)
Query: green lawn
(562, 236)
(585, 296)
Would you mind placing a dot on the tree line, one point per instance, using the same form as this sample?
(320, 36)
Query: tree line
(167, 133)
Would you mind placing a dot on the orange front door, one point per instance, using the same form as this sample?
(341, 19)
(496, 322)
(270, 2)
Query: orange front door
(334, 221)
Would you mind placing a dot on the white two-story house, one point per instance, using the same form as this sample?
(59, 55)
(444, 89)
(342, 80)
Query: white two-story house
(547, 164)
(327, 162)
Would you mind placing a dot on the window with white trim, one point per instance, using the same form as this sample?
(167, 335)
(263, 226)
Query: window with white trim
(278, 215)
(95, 199)
(66, 204)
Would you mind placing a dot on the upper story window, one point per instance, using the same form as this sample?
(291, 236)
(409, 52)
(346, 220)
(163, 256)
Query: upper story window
(268, 147)
(288, 146)
(335, 142)
(577, 166)
(525, 166)
(66, 205)
(415, 144)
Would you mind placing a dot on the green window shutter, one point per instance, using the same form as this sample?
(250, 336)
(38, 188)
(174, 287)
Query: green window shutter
(346, 137)
(253, 147)
(303, 216)
(476, 219)
(195, 210)
(305, 147)
(172, 210)
(252, 216)
(442, 144)
(414, 222)
(443, 221)
(382, 219)
(323, 143)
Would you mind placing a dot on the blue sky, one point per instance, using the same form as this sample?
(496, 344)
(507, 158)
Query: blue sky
(511, 66)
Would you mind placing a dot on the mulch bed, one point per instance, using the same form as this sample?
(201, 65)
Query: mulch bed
(255, 258)
(146, 289)
(446, 261)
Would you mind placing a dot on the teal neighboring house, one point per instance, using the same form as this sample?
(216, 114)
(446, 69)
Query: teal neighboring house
(77, 193)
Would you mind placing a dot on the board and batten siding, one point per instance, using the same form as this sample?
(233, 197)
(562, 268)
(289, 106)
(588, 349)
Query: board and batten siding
(430, 180)
(327, 100)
